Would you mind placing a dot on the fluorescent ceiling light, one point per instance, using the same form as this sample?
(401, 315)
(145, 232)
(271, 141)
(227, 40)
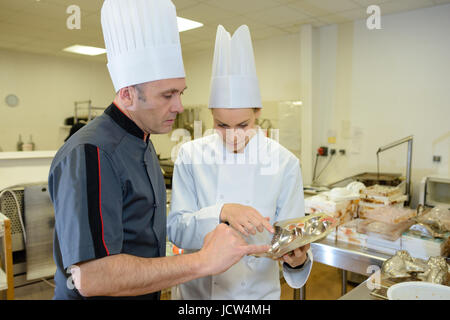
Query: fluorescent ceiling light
(186, 24)
(86, 50)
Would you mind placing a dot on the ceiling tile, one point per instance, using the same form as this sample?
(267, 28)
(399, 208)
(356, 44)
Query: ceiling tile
(182, 4)
(231, 24)
(207, 33)
(205, 13)
(18, 40)
(20, 30)
(318, 8)
(277, 15)
(353, 15)
(366, 3)
(198, 46)
(242, 7)
(268, 32)
(6, 14)
(8, 45)
(42, 24)
(333, 19)
(404, 5)
(32, 21)
(286, 1)
(88, 6)
(16, 5)
(295, 27)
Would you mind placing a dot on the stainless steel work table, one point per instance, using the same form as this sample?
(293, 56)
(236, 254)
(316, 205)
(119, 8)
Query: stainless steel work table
(361, 292)
(347, 257)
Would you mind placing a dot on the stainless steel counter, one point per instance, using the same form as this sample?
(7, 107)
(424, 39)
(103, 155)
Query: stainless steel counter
(361, 292)
(346, 257)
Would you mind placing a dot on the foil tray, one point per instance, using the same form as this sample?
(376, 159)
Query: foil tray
(404, 267)
(294, 233)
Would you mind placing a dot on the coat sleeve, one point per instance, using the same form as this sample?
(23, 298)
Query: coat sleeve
(187, 224)
(291, 205)
(87, 199)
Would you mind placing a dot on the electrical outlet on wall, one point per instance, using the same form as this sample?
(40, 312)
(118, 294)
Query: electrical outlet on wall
(437, 159)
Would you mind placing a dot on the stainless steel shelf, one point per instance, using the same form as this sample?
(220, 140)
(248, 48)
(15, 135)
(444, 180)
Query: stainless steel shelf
(347, 256)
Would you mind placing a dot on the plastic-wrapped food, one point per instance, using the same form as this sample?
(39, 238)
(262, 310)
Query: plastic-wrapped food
(380, 191)
(438, 218)
(390, 214)
(340, 203)
(384, 230)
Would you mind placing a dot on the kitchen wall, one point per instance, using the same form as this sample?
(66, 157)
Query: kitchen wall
(375, 87)
(47, 88)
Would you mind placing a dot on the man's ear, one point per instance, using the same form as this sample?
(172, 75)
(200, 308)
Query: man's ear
(127, 96)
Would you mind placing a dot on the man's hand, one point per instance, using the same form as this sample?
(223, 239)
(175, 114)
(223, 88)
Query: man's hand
(244, 219)
(223, 247)
(296, 257)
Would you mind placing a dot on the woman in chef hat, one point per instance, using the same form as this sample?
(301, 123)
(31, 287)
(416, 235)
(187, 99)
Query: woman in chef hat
(240, 177)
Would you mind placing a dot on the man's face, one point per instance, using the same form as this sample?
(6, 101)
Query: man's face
(156, 104)
(236, 126)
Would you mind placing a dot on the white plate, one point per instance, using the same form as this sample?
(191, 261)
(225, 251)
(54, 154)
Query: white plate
(417, 290)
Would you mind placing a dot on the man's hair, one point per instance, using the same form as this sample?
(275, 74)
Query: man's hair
(140, 92)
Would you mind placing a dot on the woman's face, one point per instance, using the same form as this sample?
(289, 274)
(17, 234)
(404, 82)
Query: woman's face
(236, 126)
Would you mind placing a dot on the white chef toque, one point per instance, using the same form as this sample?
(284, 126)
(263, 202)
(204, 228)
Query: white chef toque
(234, 83)
(142, 41)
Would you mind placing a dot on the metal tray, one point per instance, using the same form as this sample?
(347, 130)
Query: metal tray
(294, 233)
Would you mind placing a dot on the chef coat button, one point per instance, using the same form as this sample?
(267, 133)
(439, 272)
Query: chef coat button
(243, 284)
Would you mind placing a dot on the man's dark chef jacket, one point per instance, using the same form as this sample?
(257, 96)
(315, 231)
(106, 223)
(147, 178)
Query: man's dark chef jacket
(109, 197)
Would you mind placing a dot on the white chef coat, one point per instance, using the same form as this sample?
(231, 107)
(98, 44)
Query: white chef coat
(267, 177)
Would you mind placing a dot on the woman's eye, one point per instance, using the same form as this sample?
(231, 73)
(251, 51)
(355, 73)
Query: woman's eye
(243, 125)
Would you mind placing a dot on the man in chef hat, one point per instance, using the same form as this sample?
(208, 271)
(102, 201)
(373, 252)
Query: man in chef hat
(106, 184)
(235, 189)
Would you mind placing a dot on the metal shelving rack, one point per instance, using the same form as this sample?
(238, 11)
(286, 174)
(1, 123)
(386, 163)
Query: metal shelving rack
(90, 107)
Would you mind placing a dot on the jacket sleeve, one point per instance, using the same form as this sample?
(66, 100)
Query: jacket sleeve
(187, 224)
(291, 205)
(87, 200)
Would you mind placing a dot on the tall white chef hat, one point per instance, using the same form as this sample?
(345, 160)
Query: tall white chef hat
(142, 41)
(234, 83)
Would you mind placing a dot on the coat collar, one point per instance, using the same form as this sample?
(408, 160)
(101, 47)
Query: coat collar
(125, 123)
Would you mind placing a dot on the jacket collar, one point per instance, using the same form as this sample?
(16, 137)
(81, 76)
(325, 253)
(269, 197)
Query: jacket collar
(124, 122)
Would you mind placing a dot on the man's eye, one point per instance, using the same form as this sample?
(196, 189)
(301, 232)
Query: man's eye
(167, 97)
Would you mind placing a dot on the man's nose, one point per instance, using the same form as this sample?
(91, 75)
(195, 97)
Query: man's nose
(178, 105)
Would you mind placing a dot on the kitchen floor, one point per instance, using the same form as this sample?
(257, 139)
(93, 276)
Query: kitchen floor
(324, 283)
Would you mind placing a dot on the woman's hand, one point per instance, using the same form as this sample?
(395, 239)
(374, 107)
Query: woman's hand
(244, 219)
(296, 257)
